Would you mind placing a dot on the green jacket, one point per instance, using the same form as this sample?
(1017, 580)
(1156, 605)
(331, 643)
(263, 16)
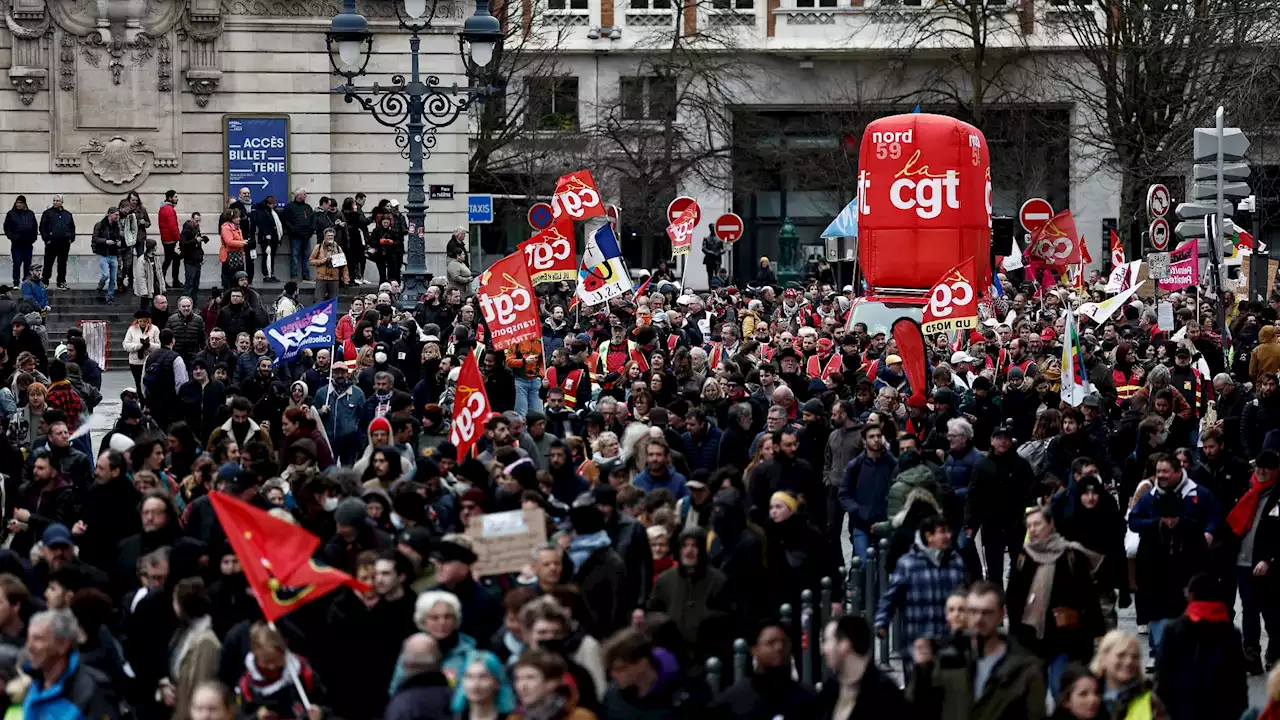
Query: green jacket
(912, 474)
(1015, 691)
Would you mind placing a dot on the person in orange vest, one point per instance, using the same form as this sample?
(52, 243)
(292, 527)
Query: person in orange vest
(614, 353)
(730, 344)
(569, 376)
(824, 362)
(1127, 373)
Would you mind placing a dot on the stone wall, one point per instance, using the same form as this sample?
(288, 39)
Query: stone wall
(135, 99)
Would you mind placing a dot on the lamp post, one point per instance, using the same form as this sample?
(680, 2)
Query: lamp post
(417, 108)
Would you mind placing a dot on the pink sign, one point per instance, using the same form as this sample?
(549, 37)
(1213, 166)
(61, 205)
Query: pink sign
(1184, 267)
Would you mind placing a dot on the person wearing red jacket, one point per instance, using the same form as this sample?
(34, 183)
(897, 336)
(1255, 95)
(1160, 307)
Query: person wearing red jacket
(170, 233)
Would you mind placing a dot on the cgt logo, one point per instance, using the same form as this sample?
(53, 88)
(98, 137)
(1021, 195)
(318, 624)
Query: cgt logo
(916, 188)
(503, 308)
(469, 417)
(543, 255)
(947, 296)
(575, 199)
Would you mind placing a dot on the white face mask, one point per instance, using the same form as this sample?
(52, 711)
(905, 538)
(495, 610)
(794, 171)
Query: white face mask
(330, 504)
(380, 357)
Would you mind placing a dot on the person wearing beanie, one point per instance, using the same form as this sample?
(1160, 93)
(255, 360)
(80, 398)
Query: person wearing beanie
(1170, 553)
(380, 435)
(22, 229)
(355, 534)
(482, 612)
(632, 545)
(983, 410)
(596, 569)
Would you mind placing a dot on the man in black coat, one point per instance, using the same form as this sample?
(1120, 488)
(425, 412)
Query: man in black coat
(768, 691)
(1201, 664)
(786, 471)
(996, 499)
(631, 543)
(425, 693)
(109, 511)
(482, 612)
(846, 643)
(597, 570)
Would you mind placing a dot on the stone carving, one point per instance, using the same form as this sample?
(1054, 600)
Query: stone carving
(142, 51)
(811, 18)
(731, 18)
(650, 20)
(327, 8)
(112, 20)
(117, 162)
(26, 85)
(113, 13)
(67, 63)
(565, 19)
(27, 32)
(164, 65)
(28, 24)
(203, 84)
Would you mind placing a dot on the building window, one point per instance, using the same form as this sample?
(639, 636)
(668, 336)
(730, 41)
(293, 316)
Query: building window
(818, 3)
(732, 4)
(648, 98)
(552, 103)
(650, 4)
(567, 4)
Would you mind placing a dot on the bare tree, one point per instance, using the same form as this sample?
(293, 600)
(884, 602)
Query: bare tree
(1145, 73)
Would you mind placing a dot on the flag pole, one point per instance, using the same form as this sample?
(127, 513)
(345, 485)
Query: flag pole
(293, 674)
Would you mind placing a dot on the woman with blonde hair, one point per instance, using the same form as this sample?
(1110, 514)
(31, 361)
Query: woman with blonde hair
(1271, 707)
(764, 451)
(605, 447)
(1126, 692)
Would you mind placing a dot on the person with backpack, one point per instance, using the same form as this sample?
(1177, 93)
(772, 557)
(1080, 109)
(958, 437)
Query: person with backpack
(287, 303)
(164, 372)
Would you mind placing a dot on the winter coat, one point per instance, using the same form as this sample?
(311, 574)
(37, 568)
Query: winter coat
(695, 599)
(133, 344)
(673, 481)
(188, 333)
(998, 493)
(321, 260)
(632, 544)
(1266, 356)
(600, 578)
(1261, 416)
(232, 240)
(798, 557)
(1015, 690)
(1073, 588)
(864, 491)
(57, 225)
(782, 473)
(1198, 507)
(110, 514)
(20, 227)
(702, 452)
(913, 472)
(764, 695)
(878, 697)
(1167, 559)
(296, 219)
(918, 590)
(191, 243)
(80, 693)
(459, 275)
(343, 418)
(1201, 670)
(843, 444)
(167, 216)
(425, 696)
(267, 228)
(108, 237)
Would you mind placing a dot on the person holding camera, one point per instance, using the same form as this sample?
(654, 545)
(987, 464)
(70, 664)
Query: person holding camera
(993, 677)
(139, 340)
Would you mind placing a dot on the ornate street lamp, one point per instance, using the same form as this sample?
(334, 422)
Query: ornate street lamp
(415, 109)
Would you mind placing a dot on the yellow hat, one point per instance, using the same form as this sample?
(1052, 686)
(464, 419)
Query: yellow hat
(787, 499)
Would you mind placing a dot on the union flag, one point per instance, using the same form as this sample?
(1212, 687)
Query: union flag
(276, 557)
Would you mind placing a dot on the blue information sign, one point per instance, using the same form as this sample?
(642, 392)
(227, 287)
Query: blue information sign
(479, 209)
(257, 156)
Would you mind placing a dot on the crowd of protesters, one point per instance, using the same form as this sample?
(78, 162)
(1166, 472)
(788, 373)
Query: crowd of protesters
(698, 457)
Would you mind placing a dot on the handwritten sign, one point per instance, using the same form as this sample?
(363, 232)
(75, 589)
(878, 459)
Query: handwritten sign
(504, 541)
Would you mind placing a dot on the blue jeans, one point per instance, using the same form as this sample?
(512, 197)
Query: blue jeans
(1155, 635)
(108, 266)
(1250, 622)
(299, 254)
(527, 395)
(21, 259)
(1053, 672)
(861, 541)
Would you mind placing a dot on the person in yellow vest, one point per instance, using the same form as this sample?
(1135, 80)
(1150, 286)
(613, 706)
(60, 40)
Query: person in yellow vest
(613, 354)
(1126, 691)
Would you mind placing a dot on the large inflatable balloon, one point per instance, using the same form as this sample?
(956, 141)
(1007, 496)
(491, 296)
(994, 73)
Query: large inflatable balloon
(924, 200)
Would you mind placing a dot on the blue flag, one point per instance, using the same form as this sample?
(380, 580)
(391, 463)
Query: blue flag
(846, 223)
(916, 111)
(313, 327)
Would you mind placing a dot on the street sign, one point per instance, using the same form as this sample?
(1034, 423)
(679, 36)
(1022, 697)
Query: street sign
(479, 209)
(1197, 210)
(678, 206)
(1231, 171)
(729, 227)
(1204, 142)
(541, 216)
(440, 192)
(256, 156)
(1230, 191)
(1159, 233)
(1034, 214)
(1158, 265)
(614, 214)
(1188, 229)
(1157, 201)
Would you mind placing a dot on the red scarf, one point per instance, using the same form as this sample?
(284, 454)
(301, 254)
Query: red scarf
(1271, 712)
(1207, 611)
(1241, 517)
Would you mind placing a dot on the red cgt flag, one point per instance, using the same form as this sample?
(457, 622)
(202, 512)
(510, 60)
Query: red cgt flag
(1117, 250)
(506, 300)
(577, 197)
(276, 557)
(1057, 243)
(550, 254)
(953, 304)
(470, 407)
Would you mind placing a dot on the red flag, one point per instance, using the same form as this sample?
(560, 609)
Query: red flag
(910, 341)
(1117, 250)
(276, 557)
(471, 408)
(506, 299)
(1057, 243)
(577, 197)
(953, 304)
(681, 231)
(643, 287)
(550, 254)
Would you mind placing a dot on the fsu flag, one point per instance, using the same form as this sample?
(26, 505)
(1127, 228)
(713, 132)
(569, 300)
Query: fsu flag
(506, 300)
(576, 197)
(681, 231)
(550, 254)
(1075, 378)
(470, 408)
(953, 305)
(1057, 243)
(1117, 250)
(276, 557)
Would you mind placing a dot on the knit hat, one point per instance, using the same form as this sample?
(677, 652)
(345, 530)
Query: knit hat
(380, 423)
(814, 406)
(787, 499)
(351, 511)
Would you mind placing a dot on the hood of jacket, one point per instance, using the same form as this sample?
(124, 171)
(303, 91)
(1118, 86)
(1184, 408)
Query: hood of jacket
(699, 537)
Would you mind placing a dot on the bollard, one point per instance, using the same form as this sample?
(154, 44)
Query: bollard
(713, 675)
(870, 597)
(784, 615)
(853, 587)
(806, 628)
(883, 581)
(739, 660)
(824, 603)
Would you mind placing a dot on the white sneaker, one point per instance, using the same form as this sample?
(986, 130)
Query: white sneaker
(1143, 629)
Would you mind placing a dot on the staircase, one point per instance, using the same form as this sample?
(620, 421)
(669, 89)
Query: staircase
(84, 302)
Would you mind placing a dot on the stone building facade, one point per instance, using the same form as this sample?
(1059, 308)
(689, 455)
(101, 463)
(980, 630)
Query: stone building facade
(112, 96)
